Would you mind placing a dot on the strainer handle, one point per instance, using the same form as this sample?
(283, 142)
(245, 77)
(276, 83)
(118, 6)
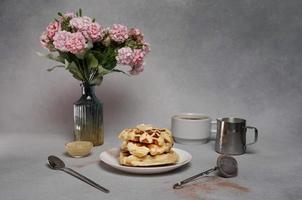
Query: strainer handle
(180, 184)
(255, 136)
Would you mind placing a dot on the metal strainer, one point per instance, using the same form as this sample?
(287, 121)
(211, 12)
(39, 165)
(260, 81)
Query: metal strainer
(227, 167)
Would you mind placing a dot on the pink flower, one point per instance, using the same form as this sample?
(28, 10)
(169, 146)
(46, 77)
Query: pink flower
(134, 58)
(136, 69)
(146, 48)
(44, 40)
(75, 43)
(137, 63)
(72, 42)
(118, 33)
(94, 32)
(81, 23)
(138, 57)
(52, 28)
(59, 40)
(69, 15)
(125, 56)
(136, 34)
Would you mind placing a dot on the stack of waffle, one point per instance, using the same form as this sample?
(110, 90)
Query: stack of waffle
(146, 146)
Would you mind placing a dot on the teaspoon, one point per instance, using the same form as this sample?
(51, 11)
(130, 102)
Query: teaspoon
(58, 164)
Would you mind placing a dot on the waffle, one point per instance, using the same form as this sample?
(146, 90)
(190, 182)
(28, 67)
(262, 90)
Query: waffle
(146, 146)
(141, 149)
(150, 135)
(131, 160)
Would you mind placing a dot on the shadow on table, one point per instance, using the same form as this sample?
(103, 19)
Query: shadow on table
(251, 151)
(112, 170)
(47, 165)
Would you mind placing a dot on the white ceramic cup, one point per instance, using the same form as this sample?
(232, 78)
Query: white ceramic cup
(191, 128)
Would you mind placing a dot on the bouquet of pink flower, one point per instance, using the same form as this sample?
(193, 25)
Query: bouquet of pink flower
(89, 51)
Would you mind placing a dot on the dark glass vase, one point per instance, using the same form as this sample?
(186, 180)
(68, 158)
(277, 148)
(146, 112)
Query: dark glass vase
(88, 117)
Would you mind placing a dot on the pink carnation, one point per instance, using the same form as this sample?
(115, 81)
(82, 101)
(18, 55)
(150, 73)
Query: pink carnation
(81, 23)
(134, 58)
(136, 69)
(118, 33)
(94, 32)
(75, 43)
(52, 28)
(125, 56)
(137, 63)
(59, 40)
(138, 57)
(146, 48)
(44, 40)
(136, 34)
(69, 15)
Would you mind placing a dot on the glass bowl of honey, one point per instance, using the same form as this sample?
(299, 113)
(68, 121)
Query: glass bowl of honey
(78, 149)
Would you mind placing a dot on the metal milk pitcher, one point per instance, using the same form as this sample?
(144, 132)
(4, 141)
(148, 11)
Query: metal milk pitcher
(231, 136)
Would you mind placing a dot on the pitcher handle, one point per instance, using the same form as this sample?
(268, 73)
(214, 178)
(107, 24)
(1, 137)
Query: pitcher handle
(256, 134)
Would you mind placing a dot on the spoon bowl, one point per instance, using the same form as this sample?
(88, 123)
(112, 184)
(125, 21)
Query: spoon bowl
(55, 162)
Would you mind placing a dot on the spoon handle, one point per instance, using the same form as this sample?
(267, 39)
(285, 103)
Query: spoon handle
(84, 178)
(180, 184)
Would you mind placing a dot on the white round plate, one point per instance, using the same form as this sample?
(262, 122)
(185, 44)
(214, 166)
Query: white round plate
(110, 157)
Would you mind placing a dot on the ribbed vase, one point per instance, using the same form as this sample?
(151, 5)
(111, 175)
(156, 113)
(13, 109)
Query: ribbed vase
(88, 117)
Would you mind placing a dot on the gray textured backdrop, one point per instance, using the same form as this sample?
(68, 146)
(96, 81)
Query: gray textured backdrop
(223, 58)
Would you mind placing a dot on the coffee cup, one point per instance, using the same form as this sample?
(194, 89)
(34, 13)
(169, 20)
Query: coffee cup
(191, 128)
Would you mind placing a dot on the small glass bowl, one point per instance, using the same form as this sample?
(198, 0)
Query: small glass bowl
(78, 149)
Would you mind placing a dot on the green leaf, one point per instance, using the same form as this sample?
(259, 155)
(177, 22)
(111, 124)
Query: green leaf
(52, 57)
(99, 46)
(80, 12)
(110, 64)
(97, 80)
(60, 14)
(73, 69)
(76, 75)
(72, 66)
(69, 57)
(52, 68)
(89, 44)
(91, 60)
(98, 56)
(121, 71)
(103, 71)
(65, 26)
(109, 61)
(133, 44)
(66, 64)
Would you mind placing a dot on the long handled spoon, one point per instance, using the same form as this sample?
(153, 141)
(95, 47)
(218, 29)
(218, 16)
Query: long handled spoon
(227, 167)
(58, 164)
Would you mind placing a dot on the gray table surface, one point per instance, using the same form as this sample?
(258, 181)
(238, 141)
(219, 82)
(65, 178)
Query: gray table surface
(270, 170)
